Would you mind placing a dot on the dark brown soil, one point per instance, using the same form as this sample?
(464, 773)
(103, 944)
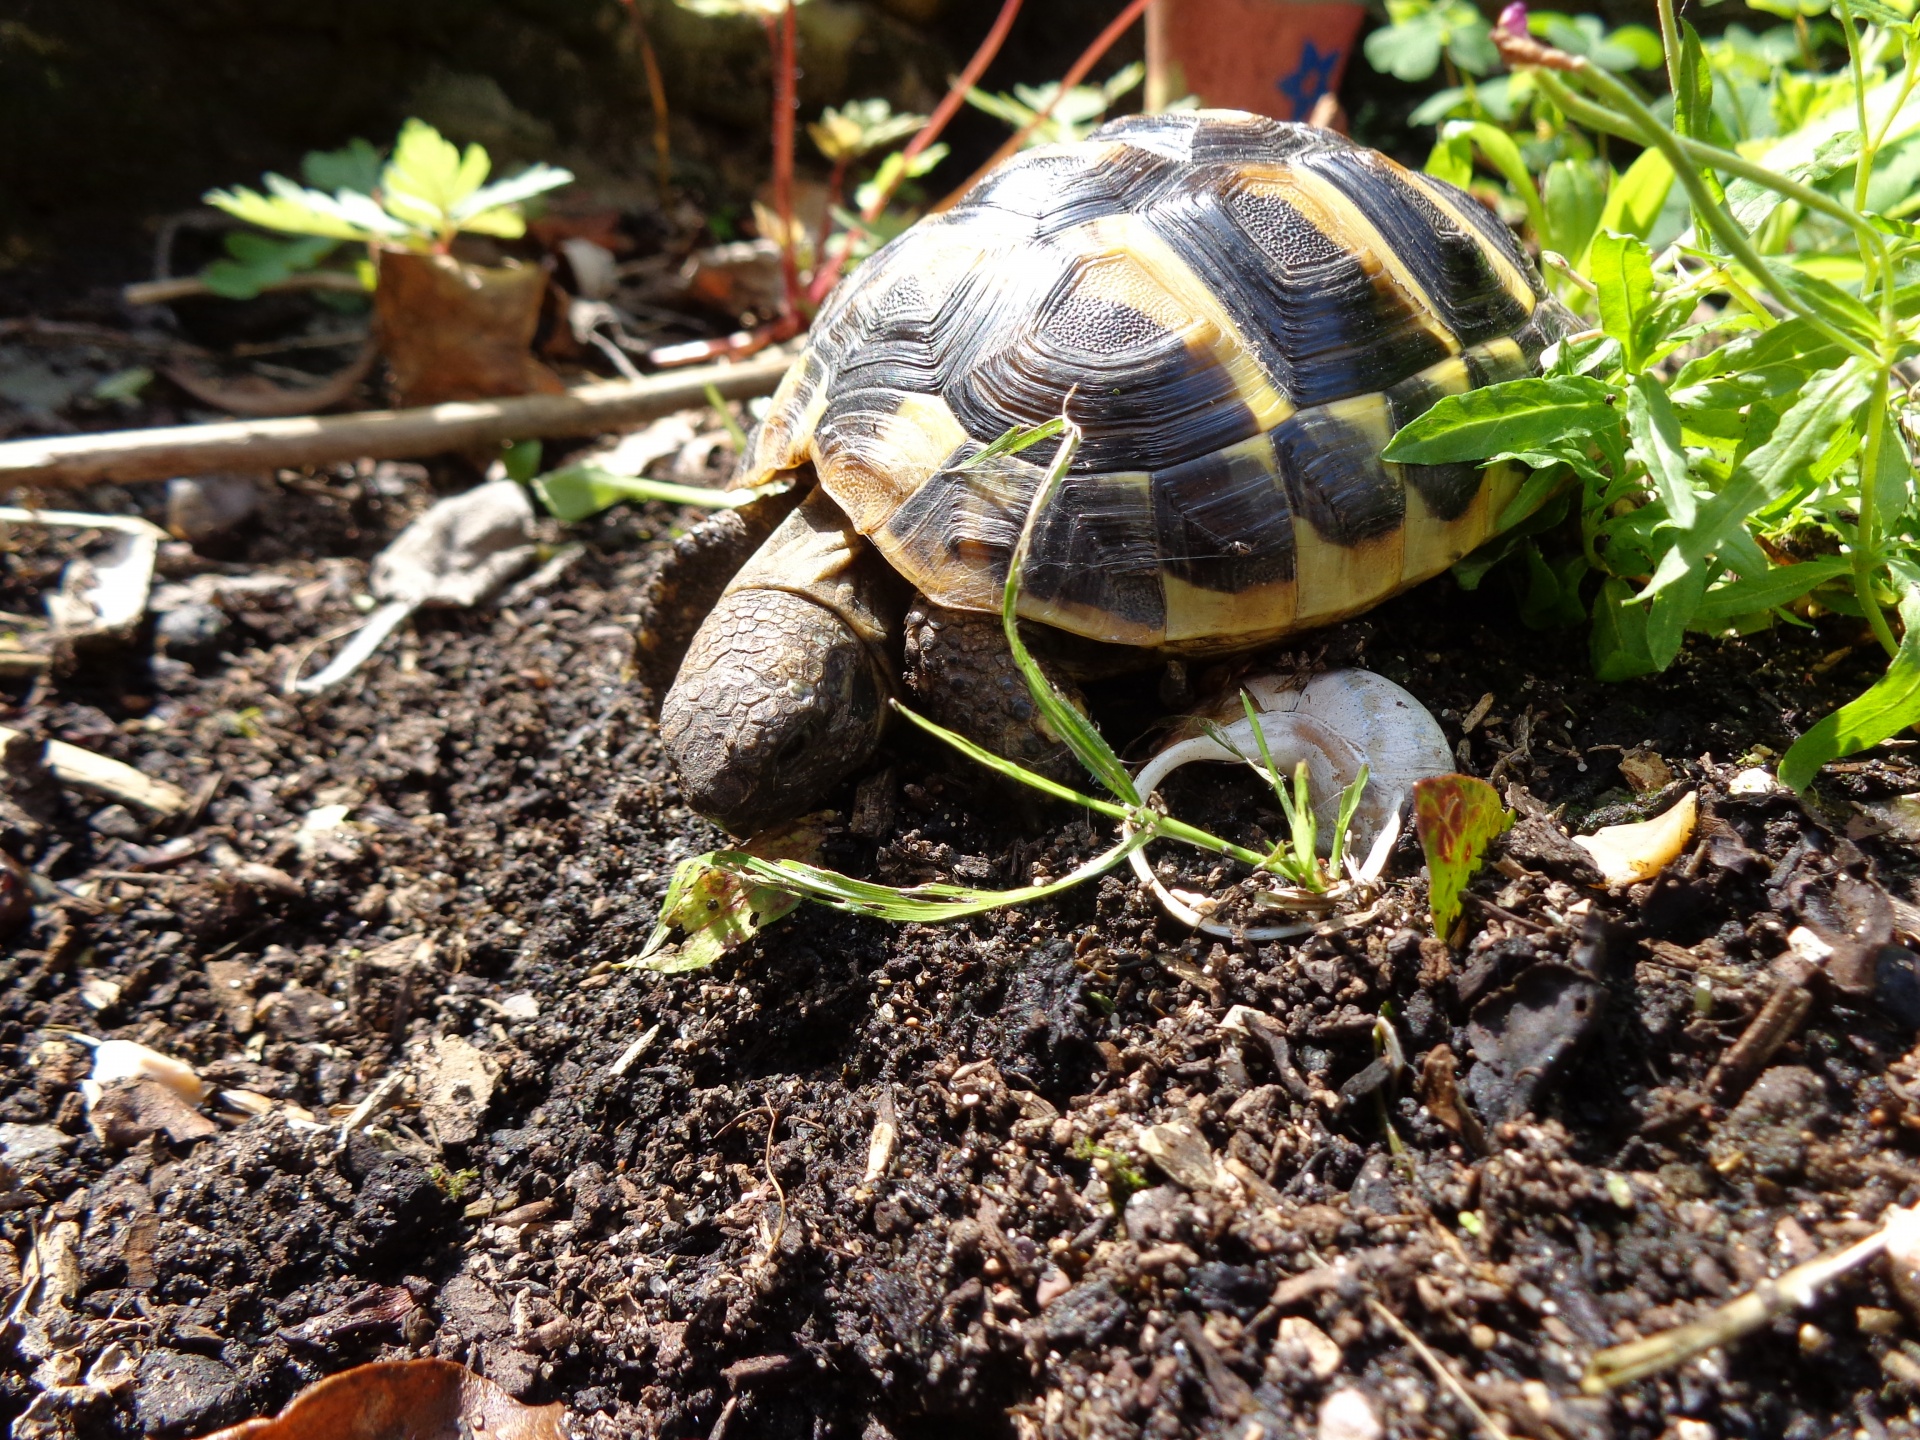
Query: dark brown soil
(664, 1218)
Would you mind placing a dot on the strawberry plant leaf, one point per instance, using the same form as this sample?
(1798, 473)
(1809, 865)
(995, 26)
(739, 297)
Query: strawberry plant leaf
(1456, 817)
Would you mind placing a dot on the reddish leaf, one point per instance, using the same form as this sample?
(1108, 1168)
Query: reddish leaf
(1456, 816)
(404, 1400)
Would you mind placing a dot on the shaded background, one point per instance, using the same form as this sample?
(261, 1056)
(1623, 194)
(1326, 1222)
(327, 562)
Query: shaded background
(117, 113)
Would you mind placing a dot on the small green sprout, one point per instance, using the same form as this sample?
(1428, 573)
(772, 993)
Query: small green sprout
(1124, 1178)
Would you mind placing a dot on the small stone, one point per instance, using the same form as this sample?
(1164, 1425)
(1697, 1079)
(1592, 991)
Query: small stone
(1348, 1415)
(191, 632)
(21, 1143)
(1873, 1320)
(1483, 1337)
(129, 1111)
(116, 822)
(1053, 1283)
(1645, 771)
(1323, 1356)
(520, 1007)
(179, 1393)
(201, 507)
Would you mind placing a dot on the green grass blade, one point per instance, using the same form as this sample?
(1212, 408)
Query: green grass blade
(1349, 802)
(1260, 739)
(921, 904)
(577, 491)
(1068, 723)
(1014, 441)
(1008, 768)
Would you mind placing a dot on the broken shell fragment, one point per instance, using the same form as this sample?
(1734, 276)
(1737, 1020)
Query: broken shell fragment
(126, 1060)
(1336, 722)
(1628, 854)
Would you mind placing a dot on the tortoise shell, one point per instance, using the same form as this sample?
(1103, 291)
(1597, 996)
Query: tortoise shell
(1238, 312)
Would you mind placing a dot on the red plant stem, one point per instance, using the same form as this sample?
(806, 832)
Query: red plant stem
(1088, 59)
(827, 274)
(836, 194)
(780, 42)
(949, 106)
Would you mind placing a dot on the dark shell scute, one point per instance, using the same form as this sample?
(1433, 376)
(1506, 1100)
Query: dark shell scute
(1449, 261)
(1093, 547)
(1224, 523)
(1336, 479)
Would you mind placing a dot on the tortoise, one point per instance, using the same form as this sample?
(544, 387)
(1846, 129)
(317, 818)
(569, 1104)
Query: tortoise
(1237, 312)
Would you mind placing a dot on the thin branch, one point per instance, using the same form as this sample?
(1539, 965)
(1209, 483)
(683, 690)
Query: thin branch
(1088, 59)
(163, 452)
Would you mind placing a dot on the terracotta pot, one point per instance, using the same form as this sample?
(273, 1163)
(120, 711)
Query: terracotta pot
(1273, 57)
(454, 331)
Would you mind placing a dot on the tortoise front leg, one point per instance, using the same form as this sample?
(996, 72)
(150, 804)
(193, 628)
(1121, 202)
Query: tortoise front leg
(961, 674)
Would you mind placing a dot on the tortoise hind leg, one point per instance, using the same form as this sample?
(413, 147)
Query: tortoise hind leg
(961, 674)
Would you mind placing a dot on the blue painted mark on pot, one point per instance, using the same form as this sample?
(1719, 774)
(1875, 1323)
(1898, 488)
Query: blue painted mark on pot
(1311, 79)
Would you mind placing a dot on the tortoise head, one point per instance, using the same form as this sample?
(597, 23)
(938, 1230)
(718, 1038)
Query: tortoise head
(777, 700)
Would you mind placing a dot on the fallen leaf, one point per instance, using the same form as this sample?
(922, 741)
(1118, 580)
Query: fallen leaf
(453, 331)
(404, 1400)
(715, 911)
(1627, 854)
(1456, 817)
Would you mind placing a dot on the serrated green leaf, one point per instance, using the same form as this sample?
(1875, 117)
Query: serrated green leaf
(1514, 415)
(532, 181)
(1456, 817)
(259, 261)
(354, 166)
(298, 211)
(431, 169)
(1780, 585)
(1655, 432)
(1622, 268)
(1407, 51)
(1887, 708)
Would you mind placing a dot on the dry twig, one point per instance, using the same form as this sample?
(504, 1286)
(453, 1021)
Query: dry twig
(161, 453)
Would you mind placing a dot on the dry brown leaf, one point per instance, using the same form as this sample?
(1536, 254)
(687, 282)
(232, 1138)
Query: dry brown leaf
(453, 331)
(403, 1400)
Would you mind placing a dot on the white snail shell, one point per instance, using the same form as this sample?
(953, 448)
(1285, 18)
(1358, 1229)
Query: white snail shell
(1336, 722)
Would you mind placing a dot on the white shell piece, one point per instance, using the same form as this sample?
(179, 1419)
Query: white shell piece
(1628, 854)
(1336, 722)
(126, 1060)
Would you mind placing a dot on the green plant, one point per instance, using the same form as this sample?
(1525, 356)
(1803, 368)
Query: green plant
(426, 194)
(1724, 450)
(754, 878)
(1048, 115)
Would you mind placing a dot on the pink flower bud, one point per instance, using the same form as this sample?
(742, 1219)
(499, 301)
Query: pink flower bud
(1513, 19)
